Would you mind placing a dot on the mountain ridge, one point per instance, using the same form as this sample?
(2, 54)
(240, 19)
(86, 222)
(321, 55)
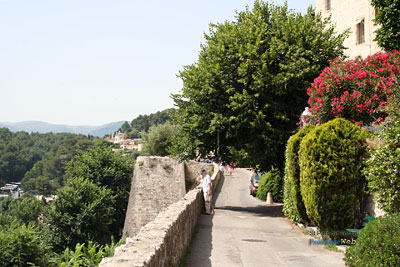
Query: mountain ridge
(45, 127)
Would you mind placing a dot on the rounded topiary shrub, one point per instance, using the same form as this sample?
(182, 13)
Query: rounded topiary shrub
(271, 182)
(378, 244)
(293, 205)
(331, 159)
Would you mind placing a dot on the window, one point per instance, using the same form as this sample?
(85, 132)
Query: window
(328, 4)
(360, 31)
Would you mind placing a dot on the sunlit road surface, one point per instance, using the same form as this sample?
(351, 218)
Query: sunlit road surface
(247, 232)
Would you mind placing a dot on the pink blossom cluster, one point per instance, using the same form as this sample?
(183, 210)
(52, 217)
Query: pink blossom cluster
(357, 90)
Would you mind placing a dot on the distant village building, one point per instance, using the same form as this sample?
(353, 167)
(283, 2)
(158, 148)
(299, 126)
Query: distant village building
(356, 15)
(129, 144)
(12, 189)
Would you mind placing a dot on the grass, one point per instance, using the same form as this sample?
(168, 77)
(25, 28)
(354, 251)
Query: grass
(332, 247)
(183, 262)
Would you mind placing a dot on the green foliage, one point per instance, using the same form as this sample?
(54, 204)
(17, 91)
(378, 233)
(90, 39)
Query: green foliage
(83, 211)
(20, 152)
(21, 245)
(388, 21)
(87, 255)
(383, 165)
(241, 99)
(293, 205)
(142, 123)
(331, 158)
(40, 185)
(106, 169)
(25, 210)
(271, 182)
(158, 140)
(378, 244)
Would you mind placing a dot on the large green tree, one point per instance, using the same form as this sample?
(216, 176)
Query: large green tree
(83, 211)
(158, 140)
(243, 96)
(388, 21)
(107, 169)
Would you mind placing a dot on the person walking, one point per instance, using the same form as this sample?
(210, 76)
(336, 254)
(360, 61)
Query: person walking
(207, 191)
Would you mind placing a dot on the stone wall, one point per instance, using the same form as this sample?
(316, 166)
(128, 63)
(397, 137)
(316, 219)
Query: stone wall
(192, 169)
(163, 241)
(157, 183)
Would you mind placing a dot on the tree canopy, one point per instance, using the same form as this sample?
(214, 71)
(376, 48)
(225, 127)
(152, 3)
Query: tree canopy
(388, 20)
(242, 98)
(107, 169)
(158, 140)
(142, 123)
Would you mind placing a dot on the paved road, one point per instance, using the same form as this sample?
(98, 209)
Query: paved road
(247, 232)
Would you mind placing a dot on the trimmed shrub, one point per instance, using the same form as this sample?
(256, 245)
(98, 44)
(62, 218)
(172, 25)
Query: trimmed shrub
(332, 184)
(271, 182)
(378, 244)
(293, 205)
(356, 90)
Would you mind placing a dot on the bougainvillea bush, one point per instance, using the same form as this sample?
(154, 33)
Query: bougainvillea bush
(357, 90)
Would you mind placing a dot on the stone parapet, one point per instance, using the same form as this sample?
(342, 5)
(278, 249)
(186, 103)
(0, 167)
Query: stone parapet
(163, 241)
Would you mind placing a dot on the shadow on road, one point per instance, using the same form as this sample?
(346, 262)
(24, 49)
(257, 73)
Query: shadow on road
(261, 210)
(200, 253)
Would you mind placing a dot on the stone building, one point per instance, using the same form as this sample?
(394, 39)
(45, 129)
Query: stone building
(356, 15)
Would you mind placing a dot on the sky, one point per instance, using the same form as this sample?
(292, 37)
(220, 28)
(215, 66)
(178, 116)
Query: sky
(93, 62)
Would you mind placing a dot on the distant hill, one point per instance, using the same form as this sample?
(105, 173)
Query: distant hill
(44, 127)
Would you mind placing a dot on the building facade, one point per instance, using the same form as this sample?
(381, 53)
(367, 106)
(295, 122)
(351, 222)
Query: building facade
(357, 16)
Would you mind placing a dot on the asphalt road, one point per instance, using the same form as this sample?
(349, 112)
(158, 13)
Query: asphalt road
(247, 232)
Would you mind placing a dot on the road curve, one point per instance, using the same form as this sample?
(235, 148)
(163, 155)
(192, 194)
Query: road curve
(247, 232)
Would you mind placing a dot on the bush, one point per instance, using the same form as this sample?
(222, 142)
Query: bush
(293, 205)
(271, 182)
(378, 244)
(21, 245)
(331, 182)
(82, 212)
(106, 168)
(356, 90)
(24, 209)
(383, 166)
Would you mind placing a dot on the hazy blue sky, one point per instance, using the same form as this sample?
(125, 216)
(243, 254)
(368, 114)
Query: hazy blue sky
(96, 61)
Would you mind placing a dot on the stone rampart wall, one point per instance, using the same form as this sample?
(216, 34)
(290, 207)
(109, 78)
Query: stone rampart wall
(192, 169)
(157, 183)
(163, 241)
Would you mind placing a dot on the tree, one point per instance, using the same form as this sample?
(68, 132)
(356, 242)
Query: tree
(143, 123)
(21, 245)
(108, 169)
(83, 211)
(125, 128)
(388, 20)
(25, 210)
(243, 96)
(40, 185)
(158, 140)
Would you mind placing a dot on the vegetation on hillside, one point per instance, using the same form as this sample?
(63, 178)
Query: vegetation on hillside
(38, 160)
(79, 227)
(142, 123)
